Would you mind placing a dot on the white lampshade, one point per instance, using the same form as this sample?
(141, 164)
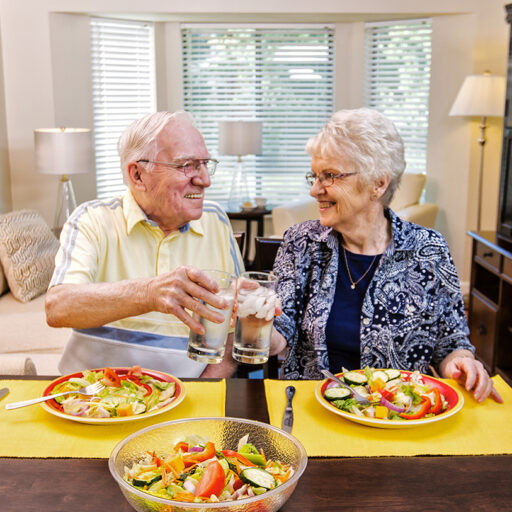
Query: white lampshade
(63, 150)
(480, 95)
(239, 138)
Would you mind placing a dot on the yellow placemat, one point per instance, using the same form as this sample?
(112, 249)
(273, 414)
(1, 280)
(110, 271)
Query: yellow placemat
(477, 429)
(33, 432)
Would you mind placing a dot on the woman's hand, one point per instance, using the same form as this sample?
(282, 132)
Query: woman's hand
(471, 374)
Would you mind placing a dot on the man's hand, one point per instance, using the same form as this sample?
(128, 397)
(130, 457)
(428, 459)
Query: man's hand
(93, 304)
(186, 288)
(471, 374)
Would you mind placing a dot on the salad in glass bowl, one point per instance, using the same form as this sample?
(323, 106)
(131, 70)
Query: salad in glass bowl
(395, 397)
(197, 471)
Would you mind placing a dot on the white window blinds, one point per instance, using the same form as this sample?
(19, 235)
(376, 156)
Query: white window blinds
(398, 81)
(123, 76)
(280, 76)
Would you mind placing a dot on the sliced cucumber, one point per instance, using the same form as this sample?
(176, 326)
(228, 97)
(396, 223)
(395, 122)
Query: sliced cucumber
(355, 378)
(361, 390)
(336, 394)
(258, 477)
(393, 374)
(380, 375)
(146, 479)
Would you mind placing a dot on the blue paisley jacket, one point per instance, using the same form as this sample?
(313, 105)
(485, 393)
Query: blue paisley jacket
(412, 315)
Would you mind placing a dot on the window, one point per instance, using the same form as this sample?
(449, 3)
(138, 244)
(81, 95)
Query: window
(123, 79)
(280, 76)
(398, 81)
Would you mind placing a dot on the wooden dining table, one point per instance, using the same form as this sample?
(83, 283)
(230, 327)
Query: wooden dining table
(429, 483)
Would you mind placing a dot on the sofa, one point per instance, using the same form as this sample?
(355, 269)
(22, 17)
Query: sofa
(406, 204)
(27, 254)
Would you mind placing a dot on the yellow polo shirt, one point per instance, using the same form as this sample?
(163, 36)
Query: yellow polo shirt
(111, 240)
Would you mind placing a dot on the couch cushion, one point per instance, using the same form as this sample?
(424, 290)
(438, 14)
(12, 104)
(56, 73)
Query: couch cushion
(409, 191)
(23, 328)
(27, 252)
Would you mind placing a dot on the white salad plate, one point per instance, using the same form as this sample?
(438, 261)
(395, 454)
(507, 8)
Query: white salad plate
(453, 397)
(55, 408)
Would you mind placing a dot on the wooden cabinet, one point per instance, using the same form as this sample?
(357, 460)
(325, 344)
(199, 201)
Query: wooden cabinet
(490, 302)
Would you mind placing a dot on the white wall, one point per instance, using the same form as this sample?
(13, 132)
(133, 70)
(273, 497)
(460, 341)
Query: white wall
(46, 75)
(5, 175)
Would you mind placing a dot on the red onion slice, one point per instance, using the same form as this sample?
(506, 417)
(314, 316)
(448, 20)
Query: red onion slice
(390, 406)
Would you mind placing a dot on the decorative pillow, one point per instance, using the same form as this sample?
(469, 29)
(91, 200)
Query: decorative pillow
(409, 191)
(3, 282)
(27, 253)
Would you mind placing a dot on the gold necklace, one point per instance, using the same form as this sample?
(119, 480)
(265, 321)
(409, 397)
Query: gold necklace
(352, 284)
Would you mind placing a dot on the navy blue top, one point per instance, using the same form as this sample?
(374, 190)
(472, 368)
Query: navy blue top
(342, 330)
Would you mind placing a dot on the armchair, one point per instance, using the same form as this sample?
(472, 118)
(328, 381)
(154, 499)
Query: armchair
(406, 204)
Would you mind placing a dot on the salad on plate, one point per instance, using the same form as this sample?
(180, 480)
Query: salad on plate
(126, 393)
(393, 395)
(197, 471)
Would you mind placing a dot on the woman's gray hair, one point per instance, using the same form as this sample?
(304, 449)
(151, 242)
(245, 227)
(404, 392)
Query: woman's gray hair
(365, 140)
(137, 142)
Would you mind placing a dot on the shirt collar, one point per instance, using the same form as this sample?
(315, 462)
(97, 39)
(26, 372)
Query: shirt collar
(399, 239)
(134, 214)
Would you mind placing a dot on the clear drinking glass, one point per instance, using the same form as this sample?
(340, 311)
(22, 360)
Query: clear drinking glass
(210, 346)
(256, 309)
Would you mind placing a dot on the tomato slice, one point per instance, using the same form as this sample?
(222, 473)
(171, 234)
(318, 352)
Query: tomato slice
(212, 481)
(110, 378)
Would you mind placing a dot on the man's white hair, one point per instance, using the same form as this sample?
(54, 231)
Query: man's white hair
(137, 142)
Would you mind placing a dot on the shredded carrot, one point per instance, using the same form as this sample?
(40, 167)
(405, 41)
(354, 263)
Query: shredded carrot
(174, 472)
(263, 455)
(184, 496)
(164, 476)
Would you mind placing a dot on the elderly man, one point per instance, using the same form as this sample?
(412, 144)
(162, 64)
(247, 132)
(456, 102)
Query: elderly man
(128, 268)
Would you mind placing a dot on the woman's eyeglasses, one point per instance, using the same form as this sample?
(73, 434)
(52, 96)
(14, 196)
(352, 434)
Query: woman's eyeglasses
(326, 178)
(190, 168)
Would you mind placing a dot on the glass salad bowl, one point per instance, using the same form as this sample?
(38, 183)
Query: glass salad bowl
(225, 434)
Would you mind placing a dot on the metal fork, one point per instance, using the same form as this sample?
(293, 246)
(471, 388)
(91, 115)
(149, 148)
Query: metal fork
(91, 389)
(361, 399)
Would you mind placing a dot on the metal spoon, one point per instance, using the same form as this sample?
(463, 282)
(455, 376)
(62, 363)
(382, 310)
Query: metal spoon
(361, 399)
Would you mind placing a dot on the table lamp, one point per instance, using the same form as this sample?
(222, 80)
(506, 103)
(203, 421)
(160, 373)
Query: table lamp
(63, 151)
(239, 138)
(480, 96)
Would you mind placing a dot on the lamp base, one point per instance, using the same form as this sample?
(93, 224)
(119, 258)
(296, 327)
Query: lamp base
(239, 193)
(66, 203)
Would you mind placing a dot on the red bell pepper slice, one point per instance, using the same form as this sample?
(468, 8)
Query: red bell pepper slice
(136, 380)
(387, 395)
(181, 446)
(236, 455)
(420, 412)
(212, 481)
(237, 484)
(437, 406)
(195, 457)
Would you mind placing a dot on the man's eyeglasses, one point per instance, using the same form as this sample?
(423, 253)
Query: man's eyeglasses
(326, 178)
(190, 168)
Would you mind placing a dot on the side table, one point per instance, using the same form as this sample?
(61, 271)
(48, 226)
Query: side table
(255, 214)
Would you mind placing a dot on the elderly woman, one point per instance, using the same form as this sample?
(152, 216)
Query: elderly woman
(361, 286)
